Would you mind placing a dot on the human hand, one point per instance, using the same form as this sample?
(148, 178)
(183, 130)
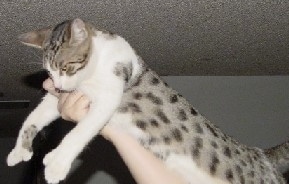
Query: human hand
(73, 106)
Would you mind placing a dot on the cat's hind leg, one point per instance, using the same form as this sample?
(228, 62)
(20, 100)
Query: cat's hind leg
(41, 116)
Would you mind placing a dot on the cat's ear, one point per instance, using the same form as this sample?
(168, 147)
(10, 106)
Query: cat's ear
(78, 32)
(35, 38)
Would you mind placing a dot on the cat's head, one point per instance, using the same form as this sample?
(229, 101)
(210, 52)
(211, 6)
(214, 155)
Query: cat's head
(66, 50)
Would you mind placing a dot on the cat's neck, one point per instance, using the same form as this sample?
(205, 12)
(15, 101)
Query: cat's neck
(107, 49)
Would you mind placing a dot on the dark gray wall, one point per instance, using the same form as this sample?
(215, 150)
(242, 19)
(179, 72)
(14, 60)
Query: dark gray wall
(254, 110)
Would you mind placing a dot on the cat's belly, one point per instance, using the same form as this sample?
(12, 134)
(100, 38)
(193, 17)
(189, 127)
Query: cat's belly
(183, 165)
(188, 169)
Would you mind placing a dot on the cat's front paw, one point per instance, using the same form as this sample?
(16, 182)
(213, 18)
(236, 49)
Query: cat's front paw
(49, 157)
(56, 168)
(18, 154)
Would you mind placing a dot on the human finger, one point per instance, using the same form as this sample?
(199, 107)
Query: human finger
(72, 98)
(74, 106)
(62, 100)
(83, 102)
(49, 86)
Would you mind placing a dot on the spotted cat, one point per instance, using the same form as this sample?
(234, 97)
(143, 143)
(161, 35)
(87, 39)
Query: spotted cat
(127, 94)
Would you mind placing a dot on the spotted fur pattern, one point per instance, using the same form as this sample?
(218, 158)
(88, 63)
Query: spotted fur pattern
(128, 95)
(28, 136)
(278, 155)
(176, 127)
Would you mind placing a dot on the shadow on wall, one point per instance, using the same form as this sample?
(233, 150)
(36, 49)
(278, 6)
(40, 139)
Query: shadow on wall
(286, 175)
(99, 157)
(35, 80)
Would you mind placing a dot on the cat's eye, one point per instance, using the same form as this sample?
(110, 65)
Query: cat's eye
(64, 69)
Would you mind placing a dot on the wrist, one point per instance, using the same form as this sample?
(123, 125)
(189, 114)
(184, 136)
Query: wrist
(113, 135)
(107, 133)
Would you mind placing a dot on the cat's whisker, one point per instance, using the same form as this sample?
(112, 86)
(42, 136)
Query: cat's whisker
(37, 56)
(33, 63)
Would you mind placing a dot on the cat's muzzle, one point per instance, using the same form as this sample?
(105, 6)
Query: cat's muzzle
(63, 91)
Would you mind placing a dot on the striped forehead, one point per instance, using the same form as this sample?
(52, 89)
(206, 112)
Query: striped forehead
(58, 33)
(55, 41)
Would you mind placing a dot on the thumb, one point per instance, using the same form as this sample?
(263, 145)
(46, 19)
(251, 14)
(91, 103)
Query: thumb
(49, 86)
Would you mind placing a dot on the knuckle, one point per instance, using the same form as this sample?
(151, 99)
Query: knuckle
(65, 117)
(59, 108)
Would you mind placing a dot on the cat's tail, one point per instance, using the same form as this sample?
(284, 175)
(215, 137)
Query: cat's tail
(279, 155)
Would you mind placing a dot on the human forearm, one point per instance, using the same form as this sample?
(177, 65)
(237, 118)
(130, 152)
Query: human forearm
(143, 165)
